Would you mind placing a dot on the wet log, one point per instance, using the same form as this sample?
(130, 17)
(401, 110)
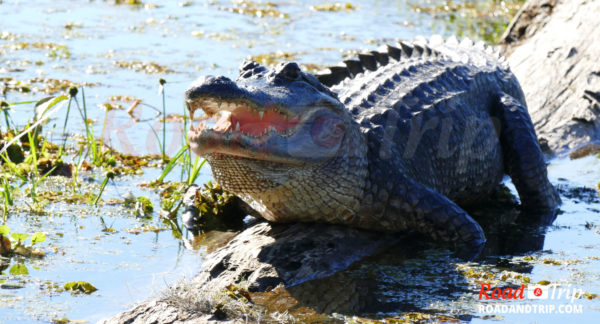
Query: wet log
(553, 50)
(261, 258)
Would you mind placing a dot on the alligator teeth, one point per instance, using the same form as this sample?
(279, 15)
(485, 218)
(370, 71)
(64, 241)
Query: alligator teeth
(261, 114)
(237, 126)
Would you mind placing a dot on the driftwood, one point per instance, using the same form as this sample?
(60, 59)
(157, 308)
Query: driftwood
(551, 50)
(261, 258)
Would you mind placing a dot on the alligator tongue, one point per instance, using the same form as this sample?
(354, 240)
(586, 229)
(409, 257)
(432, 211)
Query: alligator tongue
(224, 123)
(251, 122)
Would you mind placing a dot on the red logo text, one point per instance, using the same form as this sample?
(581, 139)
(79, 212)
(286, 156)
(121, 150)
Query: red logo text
(487, 292)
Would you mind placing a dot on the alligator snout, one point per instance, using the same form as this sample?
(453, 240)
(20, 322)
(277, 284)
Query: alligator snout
(214, 86)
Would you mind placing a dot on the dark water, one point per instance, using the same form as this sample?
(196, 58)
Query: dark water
(124, 50)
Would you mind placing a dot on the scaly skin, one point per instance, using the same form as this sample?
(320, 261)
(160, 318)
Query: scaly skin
(393, 141)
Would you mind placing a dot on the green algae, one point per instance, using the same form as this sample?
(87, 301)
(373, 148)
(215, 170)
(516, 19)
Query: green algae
(145, 205)
(41, 85)
(54, 50)
(147, 67)
(334, 7)
(80, 287)
(255, 9)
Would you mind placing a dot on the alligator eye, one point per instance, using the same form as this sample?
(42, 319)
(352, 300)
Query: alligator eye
(248, 65)
(289, 71)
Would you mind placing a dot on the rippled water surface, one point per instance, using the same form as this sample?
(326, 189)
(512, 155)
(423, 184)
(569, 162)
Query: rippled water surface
(120, 49)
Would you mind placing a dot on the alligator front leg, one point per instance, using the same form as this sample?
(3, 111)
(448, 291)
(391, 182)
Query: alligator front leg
(413, 206)
(523, 159)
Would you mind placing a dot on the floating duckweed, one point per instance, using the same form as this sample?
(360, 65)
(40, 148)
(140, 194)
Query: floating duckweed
(216, 36)
(77, 287)
(146, 204)
(72, 25)
(552, 262)
(147, 67)
(256, 9)
(7, 36)
(128, 2)
(111, 161)
(42, 85)
(54, 50)
(18, 269)
(145, 229)
(334, 7)
(493, 317)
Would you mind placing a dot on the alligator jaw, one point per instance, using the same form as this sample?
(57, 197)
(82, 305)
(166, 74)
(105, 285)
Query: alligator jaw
(243, 128)
(245, 116)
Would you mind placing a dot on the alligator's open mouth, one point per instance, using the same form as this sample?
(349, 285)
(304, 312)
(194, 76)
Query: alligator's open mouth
(243, 118)
(243, 128)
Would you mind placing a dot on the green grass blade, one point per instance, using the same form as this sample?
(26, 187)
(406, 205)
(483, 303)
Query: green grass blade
(158, 140)
(48, 112)
(172, 163)
(195, 171)
(44, 176)
(102, 186)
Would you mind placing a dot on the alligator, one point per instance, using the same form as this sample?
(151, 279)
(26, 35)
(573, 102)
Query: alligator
(394, 140)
